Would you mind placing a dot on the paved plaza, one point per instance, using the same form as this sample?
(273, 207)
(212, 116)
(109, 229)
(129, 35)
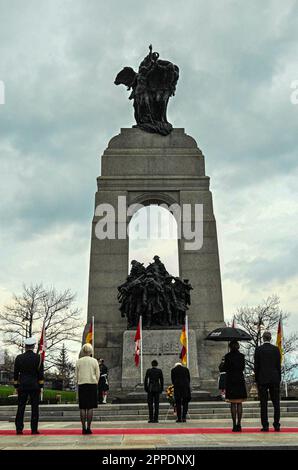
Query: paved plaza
(213, 433)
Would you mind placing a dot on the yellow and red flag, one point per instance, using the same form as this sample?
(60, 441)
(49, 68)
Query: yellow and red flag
(183, 341)
(280, 339)
(89, 335)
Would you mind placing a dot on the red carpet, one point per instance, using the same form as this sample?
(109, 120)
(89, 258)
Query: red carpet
(140, 431)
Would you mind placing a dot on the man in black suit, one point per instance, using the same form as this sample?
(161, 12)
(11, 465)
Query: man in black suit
(28, 381)
(153, 385)
(181, 380)
(268, 378)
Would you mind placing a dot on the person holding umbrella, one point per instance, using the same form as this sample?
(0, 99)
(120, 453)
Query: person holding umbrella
(234, 365)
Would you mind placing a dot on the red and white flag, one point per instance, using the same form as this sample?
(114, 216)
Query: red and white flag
(42, 343)
(138, 337)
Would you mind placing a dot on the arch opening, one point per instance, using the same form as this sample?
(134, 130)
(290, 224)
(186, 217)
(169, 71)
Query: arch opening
(153, 231)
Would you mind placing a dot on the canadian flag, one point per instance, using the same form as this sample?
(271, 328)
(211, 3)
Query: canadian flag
(42, 343)
(138, 337)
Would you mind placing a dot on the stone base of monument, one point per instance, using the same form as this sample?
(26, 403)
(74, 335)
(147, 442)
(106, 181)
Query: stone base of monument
(162, 345)
(140, 396)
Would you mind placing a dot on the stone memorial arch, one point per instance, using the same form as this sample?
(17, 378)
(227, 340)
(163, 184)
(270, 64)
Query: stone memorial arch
(148, 168)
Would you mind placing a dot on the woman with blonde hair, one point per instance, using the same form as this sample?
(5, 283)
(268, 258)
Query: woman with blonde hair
(87, 377)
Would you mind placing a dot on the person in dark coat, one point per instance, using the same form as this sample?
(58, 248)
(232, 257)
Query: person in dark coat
(103, 384)
(153, 385)
(268, 377)
(222, 380)
(28, 381)
(181, 380)
(234, 365)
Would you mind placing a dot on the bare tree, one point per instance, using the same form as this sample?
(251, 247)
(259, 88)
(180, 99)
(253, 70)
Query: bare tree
(18, 318)
(265, 317)
(27, 312)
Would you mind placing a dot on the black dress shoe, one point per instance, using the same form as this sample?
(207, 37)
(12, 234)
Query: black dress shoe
(150, 421)
(276, 427)
(155, 421)
(35, 432)
(84, 431)
(239, 428)
(265, 430)
(183, 420)
(178, 420)
(88, 431)
(235, 429)
(19, 432)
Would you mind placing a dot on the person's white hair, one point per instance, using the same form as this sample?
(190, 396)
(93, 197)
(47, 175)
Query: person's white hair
(87, 349)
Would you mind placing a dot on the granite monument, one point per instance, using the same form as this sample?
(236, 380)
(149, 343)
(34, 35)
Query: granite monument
(152, 163)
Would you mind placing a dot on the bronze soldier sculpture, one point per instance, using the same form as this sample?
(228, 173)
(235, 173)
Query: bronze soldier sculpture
(152, 292)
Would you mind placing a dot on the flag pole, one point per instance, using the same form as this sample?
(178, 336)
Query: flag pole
(42, 351)
(141, 348)
(284, 354)
(93, 345)
(186, 333)
(285, 380)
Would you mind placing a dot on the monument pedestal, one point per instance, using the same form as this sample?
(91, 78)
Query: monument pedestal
(162, 345)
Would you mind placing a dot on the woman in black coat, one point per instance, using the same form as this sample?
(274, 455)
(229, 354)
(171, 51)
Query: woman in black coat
(234, 365)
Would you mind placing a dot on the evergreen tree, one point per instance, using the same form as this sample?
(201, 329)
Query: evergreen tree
(65, 367)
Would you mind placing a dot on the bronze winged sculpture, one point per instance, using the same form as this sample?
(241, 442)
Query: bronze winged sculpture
(151, 89)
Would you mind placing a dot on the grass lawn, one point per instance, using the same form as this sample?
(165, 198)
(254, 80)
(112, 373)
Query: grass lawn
(49, 395)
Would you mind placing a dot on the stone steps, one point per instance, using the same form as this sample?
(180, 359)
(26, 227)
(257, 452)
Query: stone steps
(139, 411)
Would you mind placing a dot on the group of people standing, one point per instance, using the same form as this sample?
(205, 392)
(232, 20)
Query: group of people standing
(154, 384)
(92, 380)
(267, 370)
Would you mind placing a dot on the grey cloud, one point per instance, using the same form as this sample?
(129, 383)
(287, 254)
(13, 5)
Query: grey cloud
(59, 60)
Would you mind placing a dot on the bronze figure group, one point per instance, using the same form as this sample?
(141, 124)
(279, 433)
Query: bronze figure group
(152, 292)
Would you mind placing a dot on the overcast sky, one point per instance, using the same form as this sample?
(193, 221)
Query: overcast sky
(237, 60)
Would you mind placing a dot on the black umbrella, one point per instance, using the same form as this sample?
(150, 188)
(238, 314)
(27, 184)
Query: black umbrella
(228, 333)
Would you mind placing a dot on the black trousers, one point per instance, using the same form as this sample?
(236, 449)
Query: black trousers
(181, 406)
(22, 401)
(274, 391)
(153, 405)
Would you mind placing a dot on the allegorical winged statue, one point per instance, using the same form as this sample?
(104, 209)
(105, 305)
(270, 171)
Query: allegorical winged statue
(151, 87)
